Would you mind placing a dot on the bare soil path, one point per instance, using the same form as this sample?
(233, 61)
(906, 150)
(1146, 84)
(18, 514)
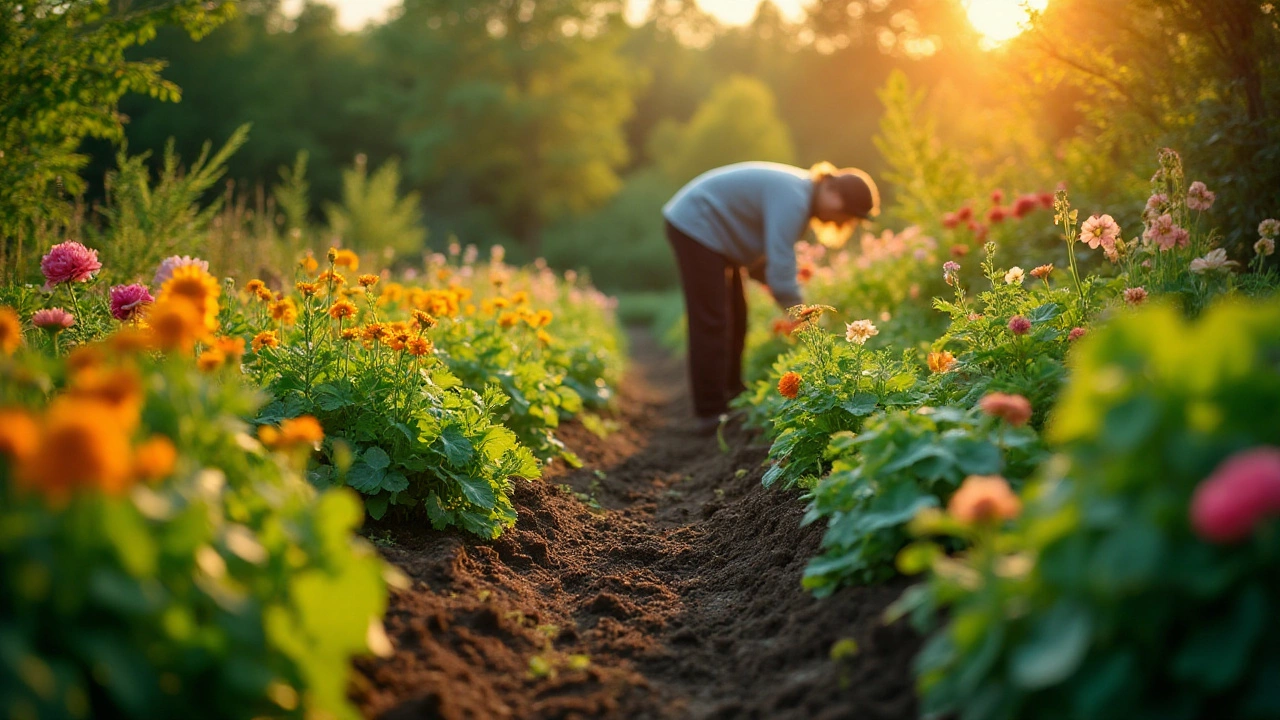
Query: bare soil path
(678, 597)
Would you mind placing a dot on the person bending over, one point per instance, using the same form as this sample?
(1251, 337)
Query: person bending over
(747, 218)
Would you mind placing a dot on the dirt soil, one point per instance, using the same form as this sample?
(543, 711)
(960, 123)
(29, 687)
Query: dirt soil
(677, 597)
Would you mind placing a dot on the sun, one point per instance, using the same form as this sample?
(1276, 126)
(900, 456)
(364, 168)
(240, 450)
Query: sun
(1000, 20)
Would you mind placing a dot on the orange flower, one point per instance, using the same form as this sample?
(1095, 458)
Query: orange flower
(263, 339)
(367, 281)
(373, 331)
(176, 324)
(211, 360)
(501, 302)
(197, 287)
(544, 318)
(18, 434)
(520, 298)
(789, 385)
(82, 444)
(154, 459)
(295, 432)
(329, 276)
(983, 499)
(10, 331)
(508, 319)
(391, 292)
(419, 346)
(308, 289)
(284, 311)
(253, 287)
(233, 348)
(941, 362)
(308, 263)
(344, 258)
(1013, 409)
(128, 340)
(350, 333)
(342, 310)
(264, 294)
(85, 357)
(1042, 271)
(544, 337)
(425, 321)
(119, 390)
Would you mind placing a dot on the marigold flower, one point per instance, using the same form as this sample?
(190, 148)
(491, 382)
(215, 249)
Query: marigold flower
(1265, 247)
(264, 339)
(1269, 228)
(264, 295)
(984, 499)
(68, 262)
(419, 346)
(129, 301)
(367, 281)
(1099, 230)
(176, 324)
(373, 331)
(294, 432)
(308, 289)
(19, 433)
(232, 347)
(1076, 333)
(544, 337)
(789, 385)
(253, 286)
(53, 319)
(331, 277)
(118, 389)
(1042, 272)
(940, 362)
(167, 267)
(345, 258)
(860, 331)
(284, 311)
(154, 459)
(544, 317)
(82, 444)
(10, 331)
(424, 320)
(211, 359)
(308, 263)
(1013, 409)
(349, 333)
(508, 319)
(342, 310)
(1019, 325)
(1015, 276)
(1241, 492)
(1135, 296)
(397, 340)
(1199, 196)
(1213, 261)
(197, 287)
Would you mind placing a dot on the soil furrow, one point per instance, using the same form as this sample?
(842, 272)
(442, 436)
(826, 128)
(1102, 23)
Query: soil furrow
(659, 580)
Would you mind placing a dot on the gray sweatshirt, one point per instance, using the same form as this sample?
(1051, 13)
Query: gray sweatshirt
(748, 212)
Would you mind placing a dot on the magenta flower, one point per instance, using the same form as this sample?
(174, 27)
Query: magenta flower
(1019, 325)
(68, 262)
(169, 264)
(1099, 230)
(950, 270)
(128, 301)
(1199, 196)
(53, 319)
(1241, 492)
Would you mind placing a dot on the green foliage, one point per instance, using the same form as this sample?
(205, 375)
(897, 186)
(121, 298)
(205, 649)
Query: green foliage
(737, 122)
(62, 72)
(373, 218)
(1102, 598)
(902, 463)
(228, 589)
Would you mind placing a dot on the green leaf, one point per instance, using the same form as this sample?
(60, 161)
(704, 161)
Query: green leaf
(477, 491)
(365, 478)
(456, 447)
(1044, 313)
(377, 505)
(497, 441)
(332, 397)
(860, 405)
(377, 458)
(1054, 648)
(395, 482)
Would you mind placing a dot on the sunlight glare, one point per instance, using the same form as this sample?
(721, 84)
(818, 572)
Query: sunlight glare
(999, 21)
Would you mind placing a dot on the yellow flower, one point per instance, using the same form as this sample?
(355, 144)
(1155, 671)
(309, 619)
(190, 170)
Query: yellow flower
(253, 287)
(350, 333)
(118, 389)
(544, 337)
(211, 359)
(544, 318)
(154, 459)
(508, 319)
(197, 287)
(419, 346)
(308, 289)
(81, 444)
(344, 258)
(342, 310)
(267, 338)
(520, 298)
(19, 434)
(233, 348)
(284, 311)
(367, 280)
(264, 294)
(501, 302)
(176, 324)
(425, 321)
(308, 263)
(10, 331)
(940, 362)
(329, 276)
(391, 292)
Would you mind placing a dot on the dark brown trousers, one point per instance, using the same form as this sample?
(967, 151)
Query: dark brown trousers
(716, 306)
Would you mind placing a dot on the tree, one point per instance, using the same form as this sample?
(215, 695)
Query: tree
(513, 104)
(373, 217)
(737, 122)
(63, 71)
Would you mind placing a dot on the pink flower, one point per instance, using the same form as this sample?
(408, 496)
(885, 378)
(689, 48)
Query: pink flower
(1076, 333)
(1019, 325)
(950, 269)
(859, 332)
(1135, 296)
(1013, 409)
(1199, 197)
(1025, 205)
(950, 220)
(1242, 491)
(1164, 233)
(1099, 230)
(169, 264)
(1155, 206)
(53, 319)
(128, 301)
(69, 262)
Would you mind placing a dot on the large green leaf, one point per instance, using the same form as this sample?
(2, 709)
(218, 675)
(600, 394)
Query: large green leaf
(1054, 648)
(456, 447)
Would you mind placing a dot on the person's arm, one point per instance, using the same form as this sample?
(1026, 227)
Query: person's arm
(782, 227)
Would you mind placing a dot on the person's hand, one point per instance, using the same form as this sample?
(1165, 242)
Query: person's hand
(783, 326)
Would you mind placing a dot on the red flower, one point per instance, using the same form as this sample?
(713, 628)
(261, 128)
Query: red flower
(1241, 492)
(950, 220)
(997, 214)
(964, 214)
(1046, 199)
(997, 197)
(1025, 205)
(959, 251)
(1076, 334)
(979, 231)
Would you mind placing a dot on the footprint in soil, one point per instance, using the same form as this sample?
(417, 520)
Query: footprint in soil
(680, 598)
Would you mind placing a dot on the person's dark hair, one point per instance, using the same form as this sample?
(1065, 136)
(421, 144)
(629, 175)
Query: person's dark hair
(859, 193)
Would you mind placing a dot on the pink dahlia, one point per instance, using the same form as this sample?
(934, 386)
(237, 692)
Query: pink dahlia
(169, 264)
(69, 262)
(1099, 230)
(1199, 196)
(1076, 333)
(53, 319)
(128, 301)
(1019, 325)
(1242, 491)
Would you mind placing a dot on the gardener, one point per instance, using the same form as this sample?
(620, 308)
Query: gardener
(748, 217)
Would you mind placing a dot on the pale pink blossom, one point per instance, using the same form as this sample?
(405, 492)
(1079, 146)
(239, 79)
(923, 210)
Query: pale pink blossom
(859, 332)
(1155, 206)
(1076, 333)
(1213, 261)
(1099, 230)
(950, 271)
(1135, 296)
(169, 264)
(128, 301)
(1200, 197)
(1265, 247)
(1164, 233)
(1015, 276)
(68, 262)
(53, 319)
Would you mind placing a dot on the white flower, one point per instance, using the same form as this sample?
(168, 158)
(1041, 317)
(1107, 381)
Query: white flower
(1265, 247)
(1269, 228)
(859, 331)
(1015, 276)
(1213, 261)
